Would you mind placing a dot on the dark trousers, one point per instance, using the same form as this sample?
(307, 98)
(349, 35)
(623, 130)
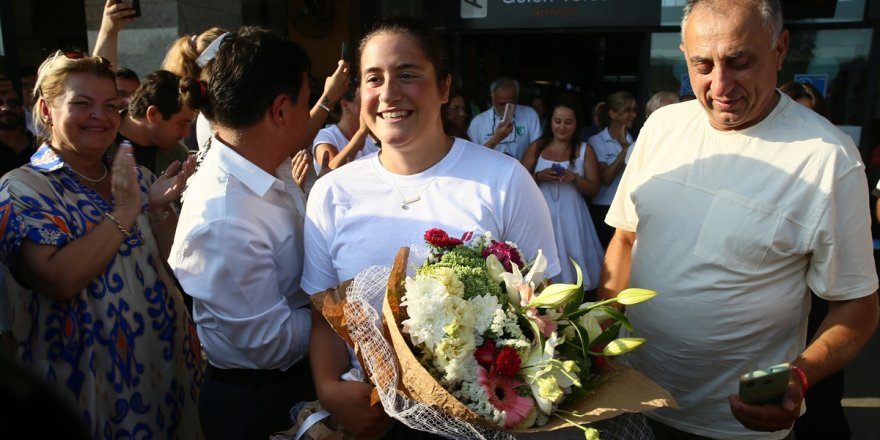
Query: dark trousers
(663, 431)
(824, 418)
(252, 404)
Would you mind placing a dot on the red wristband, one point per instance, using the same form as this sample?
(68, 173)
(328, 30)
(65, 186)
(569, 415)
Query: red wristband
(803, 377)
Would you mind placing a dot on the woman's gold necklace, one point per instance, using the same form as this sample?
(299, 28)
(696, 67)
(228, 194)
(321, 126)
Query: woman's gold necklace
(88, 179)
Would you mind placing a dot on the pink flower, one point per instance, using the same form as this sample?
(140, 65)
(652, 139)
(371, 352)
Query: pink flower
(545, 323)
(506, 254)
(502, 394)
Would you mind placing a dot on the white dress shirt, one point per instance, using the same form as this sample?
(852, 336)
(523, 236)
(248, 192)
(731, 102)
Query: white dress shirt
(238, 251)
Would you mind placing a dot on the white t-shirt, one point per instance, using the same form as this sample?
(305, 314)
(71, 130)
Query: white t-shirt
(333, 136)
(732, 228)
(607, 149)
(354, 218)
(527, 129)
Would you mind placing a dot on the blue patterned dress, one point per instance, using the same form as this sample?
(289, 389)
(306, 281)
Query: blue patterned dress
(124, 350)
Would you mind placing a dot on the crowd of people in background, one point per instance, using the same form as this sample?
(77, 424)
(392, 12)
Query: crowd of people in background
(256, 196)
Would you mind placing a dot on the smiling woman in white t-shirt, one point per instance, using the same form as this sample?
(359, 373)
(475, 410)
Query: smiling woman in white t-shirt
(362, 214)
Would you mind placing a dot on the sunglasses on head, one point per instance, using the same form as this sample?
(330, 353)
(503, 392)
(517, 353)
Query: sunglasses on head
(77, 55)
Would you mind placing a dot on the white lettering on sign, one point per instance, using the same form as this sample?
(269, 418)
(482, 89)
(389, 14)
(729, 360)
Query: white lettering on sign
(474, 8)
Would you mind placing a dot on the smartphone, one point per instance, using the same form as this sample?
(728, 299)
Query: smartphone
(558, 169)
(136, 4)
(508, 113)
(344, 55)
(765, 386)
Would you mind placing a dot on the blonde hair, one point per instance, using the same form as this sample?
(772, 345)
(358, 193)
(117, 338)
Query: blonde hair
(181, 56)
(52, 75)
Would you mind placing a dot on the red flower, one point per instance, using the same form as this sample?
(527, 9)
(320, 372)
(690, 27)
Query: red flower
(508, 362)
(506, 254)
(485, 354)
(439, 238)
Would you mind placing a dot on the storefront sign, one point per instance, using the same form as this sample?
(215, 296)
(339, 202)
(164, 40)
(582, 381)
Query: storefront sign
(530, 14)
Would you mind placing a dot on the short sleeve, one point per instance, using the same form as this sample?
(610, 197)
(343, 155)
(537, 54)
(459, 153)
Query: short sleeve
(842, 263)
(28, 210)
(319, 273)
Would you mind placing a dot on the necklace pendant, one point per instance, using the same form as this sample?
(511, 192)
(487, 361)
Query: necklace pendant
(409, 201)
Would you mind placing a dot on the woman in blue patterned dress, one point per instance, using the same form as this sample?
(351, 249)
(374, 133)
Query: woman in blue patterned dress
(99, 317)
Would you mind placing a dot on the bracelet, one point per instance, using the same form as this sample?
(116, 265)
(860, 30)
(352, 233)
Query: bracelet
(802, 375)
(118, 225)
(161, 216)
(324, 105)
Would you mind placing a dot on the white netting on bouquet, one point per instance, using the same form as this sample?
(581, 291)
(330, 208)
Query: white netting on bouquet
(364, 295)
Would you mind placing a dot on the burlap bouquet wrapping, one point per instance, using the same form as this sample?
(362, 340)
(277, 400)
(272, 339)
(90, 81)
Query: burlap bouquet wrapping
(408, 391)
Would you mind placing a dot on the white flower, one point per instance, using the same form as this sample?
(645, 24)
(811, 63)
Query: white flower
(449, 279)
(425, 302)
(516, 283)
(549, 378)
(484, 308)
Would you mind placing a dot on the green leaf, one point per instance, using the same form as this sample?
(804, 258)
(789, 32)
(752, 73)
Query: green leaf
(635, 296)
(622, 345)
(584, 337)
(607, 336)
(617, 315)
(591, 434)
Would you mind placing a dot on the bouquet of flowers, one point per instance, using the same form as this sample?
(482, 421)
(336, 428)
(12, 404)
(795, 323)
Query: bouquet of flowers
(476, 344)
(481, 321)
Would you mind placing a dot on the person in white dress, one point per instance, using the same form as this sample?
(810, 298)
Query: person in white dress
(349, 139)
(567, 170)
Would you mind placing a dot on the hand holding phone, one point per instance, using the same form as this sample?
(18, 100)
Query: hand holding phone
(558, 170)
(508, 113)
(344, 55)
(765, 386)
(136, 4)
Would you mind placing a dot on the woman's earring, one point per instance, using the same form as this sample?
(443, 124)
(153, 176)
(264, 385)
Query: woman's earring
(48, 122)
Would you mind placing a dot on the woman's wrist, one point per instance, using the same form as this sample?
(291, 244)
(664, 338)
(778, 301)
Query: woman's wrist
(160, 213)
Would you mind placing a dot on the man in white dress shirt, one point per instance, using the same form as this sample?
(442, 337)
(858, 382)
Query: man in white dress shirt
(238, 249)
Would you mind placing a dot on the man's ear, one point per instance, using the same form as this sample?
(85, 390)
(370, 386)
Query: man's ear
(278, 113)
(152, 113)
(781, 48)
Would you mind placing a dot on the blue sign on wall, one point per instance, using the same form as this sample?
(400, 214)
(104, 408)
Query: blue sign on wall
(819, 81)
(686, 88)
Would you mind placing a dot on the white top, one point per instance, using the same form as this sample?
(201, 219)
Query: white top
(607, 149)
(238, 251)
(527, 129)
(354, 216)
(732, 229)
(332, 135)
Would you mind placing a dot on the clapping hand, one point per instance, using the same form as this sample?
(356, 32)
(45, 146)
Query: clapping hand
(168, 187)
(124, 186)
(299, 167)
